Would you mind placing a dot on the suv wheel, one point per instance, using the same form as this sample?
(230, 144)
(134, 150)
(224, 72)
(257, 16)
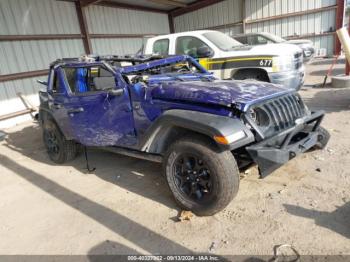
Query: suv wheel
(58, 148)
(250, 75)
(323, 138)
(201, 179)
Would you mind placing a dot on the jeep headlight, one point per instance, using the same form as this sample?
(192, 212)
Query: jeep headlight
(260, 117)
(282, 63)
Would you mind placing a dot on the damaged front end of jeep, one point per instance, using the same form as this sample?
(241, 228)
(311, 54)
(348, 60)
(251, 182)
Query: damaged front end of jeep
(283, 128)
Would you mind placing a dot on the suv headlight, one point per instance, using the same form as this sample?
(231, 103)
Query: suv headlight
(282, 63)
(260, 117)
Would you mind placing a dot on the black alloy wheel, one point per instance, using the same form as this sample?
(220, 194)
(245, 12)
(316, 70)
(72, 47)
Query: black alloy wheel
(193, 177)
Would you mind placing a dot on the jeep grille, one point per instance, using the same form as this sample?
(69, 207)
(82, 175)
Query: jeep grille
(277, 114)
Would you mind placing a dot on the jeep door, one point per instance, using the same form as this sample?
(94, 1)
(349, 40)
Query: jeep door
(56, 95)
(98, 110)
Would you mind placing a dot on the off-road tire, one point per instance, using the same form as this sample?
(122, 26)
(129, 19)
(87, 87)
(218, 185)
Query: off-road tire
(222, 166)
(323, 138)
(67, 149)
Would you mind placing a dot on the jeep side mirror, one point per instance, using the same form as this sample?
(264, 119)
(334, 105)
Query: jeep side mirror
(116, 92)
(204, 51)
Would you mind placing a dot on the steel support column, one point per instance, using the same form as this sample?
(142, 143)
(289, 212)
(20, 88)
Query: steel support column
(339, 24)
(244, 17)
(347, 67)
(171, 24)
(83, 27)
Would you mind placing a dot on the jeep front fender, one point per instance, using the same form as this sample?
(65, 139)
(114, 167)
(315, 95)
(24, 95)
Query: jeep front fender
(204, 123)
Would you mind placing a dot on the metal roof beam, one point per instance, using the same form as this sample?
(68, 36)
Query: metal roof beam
(193, 7)
(85, 3)
(169, 2)
(108, 3)
(122, 35)
(39, 37)
(21, 75)
(130, 6)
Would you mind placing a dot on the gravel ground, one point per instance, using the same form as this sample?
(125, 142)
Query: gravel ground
(126, 208)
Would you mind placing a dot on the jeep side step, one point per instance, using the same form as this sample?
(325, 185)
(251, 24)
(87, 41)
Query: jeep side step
(134, 153)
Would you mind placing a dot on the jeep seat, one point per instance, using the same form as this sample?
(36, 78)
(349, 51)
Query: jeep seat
(80, 80)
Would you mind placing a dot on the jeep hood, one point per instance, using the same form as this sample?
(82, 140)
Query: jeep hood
(218, 92)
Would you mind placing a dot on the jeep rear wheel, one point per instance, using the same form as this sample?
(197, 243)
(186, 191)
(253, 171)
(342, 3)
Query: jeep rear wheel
(201, 179)
(58, 148)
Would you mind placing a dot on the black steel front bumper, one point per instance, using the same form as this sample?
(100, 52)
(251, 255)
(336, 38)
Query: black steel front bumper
(273, 152)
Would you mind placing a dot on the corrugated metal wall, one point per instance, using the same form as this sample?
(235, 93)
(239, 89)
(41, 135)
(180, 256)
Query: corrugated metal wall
(33, 17)
(228, 12)
(36, 17)
(307, 24)
(223, 13)
(23, 56)
(25, 17)
(299, 25)
(256, 9)
(105, 20)
(107, 46)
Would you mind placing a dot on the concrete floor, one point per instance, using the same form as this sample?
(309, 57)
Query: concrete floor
(125, 207)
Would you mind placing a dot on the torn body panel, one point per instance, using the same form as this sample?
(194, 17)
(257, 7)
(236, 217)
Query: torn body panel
(272, 153)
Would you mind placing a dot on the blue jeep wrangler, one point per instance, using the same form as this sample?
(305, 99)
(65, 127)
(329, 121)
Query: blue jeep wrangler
(172, 110)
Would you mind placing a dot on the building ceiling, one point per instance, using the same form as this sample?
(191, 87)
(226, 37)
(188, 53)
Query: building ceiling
(155, 5)
(165, 5)
(173, 7)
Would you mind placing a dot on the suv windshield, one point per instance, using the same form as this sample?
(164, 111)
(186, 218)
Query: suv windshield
(274, 38)
(222, 41)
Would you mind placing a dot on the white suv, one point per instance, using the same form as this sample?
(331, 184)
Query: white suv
(229, 59)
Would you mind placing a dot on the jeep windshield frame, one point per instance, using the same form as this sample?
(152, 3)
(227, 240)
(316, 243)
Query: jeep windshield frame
(151, 67)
